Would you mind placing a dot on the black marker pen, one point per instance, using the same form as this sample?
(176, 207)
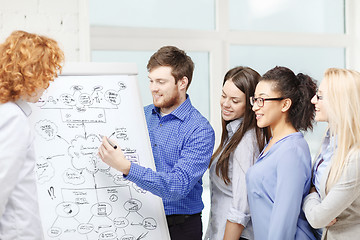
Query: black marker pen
(113, 145)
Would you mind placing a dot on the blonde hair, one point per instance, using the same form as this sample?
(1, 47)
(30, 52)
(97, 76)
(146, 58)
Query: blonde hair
(27, 63)
(343, 107)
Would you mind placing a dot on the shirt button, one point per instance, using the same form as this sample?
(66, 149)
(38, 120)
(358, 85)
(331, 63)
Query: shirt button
(155, 145)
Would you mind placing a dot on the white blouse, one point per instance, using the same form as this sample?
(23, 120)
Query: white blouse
(19, 212)
(229, 202)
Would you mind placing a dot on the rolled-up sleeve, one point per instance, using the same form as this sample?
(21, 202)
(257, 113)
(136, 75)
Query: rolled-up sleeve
(243, 159)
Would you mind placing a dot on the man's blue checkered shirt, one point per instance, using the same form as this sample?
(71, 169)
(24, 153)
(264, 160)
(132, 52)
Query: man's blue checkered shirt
(182, 144)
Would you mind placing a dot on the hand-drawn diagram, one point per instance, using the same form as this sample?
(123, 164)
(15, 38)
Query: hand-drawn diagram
(80, 196)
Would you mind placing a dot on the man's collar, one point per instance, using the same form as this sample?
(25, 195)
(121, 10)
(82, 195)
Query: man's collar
(181, 111)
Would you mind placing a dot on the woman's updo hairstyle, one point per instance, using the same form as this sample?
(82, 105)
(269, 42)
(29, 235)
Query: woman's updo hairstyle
(300, 89)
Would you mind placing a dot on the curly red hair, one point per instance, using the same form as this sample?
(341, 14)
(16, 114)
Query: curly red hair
(28, 62)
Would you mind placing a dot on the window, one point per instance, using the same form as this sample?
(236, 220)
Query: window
(185, 14)
(306, 16)
(200, 77)
(307, 36)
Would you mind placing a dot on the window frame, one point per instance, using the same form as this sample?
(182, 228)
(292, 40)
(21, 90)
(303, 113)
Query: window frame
(217, 43)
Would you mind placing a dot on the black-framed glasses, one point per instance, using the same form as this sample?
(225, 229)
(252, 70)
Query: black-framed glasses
(318, 97)
(260, 101)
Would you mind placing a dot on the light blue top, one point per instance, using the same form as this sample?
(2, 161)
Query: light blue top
(323, 160)
(320, 166)
(277, 184)
(182, 143)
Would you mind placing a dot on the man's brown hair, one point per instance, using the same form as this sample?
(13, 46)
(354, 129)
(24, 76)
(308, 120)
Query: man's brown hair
(170, 56)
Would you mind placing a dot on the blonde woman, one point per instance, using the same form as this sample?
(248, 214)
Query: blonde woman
(27, 63)
(337, 206)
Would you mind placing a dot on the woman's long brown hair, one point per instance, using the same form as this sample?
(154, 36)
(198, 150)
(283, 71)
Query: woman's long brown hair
(245, 79)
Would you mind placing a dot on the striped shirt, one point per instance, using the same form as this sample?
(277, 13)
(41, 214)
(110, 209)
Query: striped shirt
(182, 144)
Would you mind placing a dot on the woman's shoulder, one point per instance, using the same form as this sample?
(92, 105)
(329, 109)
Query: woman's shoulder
(12, 116)
(250, 134)
(248, 145)
(352, 166)
(294, 142)
(11, 110)
(8, 106)
(294, 149)
(249, 138)
(354, 155)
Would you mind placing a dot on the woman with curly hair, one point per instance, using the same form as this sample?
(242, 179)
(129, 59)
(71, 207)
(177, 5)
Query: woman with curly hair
(28, 62)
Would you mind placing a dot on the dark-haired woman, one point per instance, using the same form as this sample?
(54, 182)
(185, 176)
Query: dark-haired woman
(239, 147)
(281, 176)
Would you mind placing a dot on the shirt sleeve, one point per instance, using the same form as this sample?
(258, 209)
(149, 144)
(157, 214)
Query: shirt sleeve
(292, 176)
(13, 147)
(243, 158)
(320, 213)
(193, 161)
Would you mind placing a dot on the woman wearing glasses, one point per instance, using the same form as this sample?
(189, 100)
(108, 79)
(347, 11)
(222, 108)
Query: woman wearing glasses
(338, 199)
(239, 147)
(326, 152)
(281, 176)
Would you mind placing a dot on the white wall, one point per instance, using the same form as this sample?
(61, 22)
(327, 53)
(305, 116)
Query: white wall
(353, 33)
(66, 21)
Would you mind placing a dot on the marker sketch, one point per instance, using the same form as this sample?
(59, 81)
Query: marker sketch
(84, 197)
